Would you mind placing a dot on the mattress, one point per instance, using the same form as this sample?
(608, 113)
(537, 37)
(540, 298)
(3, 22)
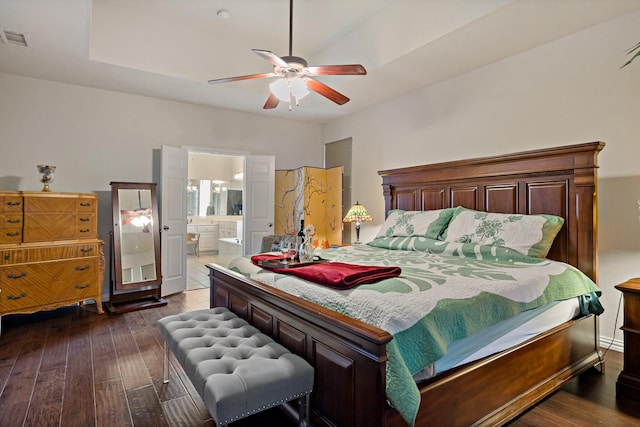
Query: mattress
(503, 335)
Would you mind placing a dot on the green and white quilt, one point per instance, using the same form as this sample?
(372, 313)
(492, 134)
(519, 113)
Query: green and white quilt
(447, 291)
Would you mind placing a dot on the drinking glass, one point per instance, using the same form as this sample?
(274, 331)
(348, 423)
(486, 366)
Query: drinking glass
(285, 248)
(293, 250)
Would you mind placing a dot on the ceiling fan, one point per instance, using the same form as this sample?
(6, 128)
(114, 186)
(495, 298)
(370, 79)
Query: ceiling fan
(295, 76)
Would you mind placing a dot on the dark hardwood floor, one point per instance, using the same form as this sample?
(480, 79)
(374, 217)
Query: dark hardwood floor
(74, 367)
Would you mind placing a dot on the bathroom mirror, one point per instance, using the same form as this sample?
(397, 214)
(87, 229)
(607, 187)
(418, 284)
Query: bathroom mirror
(136, 273)
(213, 197)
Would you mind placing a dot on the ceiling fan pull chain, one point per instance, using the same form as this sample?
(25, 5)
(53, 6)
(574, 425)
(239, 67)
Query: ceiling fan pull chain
(291, 96)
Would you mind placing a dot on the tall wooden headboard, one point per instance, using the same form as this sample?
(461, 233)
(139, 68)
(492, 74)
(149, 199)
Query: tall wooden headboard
(560, 181)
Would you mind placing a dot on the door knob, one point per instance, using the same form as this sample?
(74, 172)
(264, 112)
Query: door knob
(165, 228)
(270, 225)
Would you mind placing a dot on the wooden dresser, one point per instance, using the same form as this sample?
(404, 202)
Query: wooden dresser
(628, 384)
(50, 254)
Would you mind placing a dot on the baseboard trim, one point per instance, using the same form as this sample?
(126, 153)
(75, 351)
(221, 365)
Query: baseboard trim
(607, 343)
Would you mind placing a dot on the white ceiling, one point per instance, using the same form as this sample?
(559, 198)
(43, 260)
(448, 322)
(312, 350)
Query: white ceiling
(170, 48)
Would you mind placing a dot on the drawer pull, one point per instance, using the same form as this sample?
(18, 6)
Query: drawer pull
(85, 286)
(85, 219)
(85, 250)
(14, 221)
(6, 257)
(22, 295)
(20, 276)
(85, 205)
(15, 233)
(85, 230)
(14, 203)
(86, 267)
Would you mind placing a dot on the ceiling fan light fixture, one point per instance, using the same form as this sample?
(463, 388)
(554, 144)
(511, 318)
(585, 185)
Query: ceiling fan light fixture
(287, 87)
(141, 221)
(298, 88)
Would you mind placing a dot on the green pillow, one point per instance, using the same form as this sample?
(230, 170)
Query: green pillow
(530, 235)
(429, 224)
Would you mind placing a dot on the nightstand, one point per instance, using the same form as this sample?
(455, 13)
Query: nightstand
(628, 384)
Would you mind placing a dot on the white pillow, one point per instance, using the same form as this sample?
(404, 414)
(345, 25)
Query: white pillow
(402, 223)
(528, 234)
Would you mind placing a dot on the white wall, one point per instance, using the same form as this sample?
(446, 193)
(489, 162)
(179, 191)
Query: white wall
(96, 136)
(566, 92)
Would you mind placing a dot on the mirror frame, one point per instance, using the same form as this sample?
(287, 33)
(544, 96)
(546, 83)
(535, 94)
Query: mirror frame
(141, 290)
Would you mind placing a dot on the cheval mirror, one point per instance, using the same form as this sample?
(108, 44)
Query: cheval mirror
(135, 269)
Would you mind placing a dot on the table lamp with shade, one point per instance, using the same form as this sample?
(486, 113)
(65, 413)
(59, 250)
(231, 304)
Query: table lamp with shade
(358, 214)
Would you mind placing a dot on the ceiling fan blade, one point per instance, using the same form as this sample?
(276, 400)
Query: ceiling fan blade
(271, 57)
(238, 78)
(337, 70)
(272, 102)
(326, 91)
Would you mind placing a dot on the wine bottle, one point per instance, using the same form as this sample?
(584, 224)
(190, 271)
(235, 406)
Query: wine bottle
(301, 231)
(300, 239)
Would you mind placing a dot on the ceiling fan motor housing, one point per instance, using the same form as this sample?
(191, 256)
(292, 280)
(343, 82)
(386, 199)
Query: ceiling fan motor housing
(295, 63)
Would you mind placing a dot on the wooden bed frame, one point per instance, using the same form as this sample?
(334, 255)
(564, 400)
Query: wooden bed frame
(350, 356)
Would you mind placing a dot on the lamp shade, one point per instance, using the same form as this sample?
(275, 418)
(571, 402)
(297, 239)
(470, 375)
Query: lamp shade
(358, 214)
(284, 88)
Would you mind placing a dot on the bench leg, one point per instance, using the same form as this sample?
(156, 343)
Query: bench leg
(165, 364)
(303, 411)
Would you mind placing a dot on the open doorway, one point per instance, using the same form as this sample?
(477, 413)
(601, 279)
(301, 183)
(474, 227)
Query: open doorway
(338, 153)
(215, 199)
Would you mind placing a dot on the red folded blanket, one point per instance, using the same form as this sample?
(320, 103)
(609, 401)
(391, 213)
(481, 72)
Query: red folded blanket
(337, 275)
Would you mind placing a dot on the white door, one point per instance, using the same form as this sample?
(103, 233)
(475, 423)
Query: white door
(259, 201)
(173, 217)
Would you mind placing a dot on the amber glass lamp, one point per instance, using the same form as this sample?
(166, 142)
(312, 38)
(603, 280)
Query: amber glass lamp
(357, 214)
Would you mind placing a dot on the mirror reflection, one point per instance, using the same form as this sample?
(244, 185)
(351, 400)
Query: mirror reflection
(214, 197)
(136, 236)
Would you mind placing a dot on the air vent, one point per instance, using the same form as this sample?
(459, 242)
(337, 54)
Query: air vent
(14, 38)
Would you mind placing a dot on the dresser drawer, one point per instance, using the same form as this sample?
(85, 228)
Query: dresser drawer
(21, 254)
(207, 228)
(10, 220)
(87, 204)
(10, 236)
(45, 283)
(90, 249)
(11, 203)
(50, 204)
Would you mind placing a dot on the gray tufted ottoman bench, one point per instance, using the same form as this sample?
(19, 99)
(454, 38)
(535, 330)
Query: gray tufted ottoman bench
(236, 369)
